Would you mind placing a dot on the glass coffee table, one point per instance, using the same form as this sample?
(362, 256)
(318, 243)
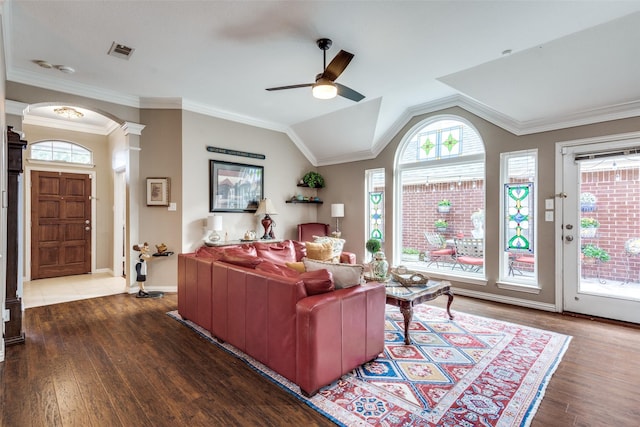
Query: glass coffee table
(406, 297)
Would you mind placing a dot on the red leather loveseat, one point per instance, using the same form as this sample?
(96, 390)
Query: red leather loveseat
(294, 324)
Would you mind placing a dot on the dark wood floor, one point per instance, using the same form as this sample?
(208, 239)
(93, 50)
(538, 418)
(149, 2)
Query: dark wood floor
(121, 361)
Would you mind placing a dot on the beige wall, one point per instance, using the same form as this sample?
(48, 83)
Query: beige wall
(283, 167)
(497, 140)
(98, 145)
(160, 156)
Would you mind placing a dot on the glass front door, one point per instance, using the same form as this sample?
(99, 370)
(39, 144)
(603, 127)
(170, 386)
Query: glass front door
(601, 230)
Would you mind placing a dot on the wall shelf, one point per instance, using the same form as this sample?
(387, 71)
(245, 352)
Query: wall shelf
(306, 201)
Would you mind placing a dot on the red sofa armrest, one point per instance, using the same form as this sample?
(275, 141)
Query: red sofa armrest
(348, 258)
(337, 332)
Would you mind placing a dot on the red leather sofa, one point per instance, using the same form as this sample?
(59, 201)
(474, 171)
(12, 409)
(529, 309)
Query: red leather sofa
(267, 313)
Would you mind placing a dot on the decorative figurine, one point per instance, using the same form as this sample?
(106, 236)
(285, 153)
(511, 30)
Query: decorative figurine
(141, 270)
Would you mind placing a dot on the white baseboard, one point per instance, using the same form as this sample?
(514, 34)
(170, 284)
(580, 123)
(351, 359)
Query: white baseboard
(505, 300)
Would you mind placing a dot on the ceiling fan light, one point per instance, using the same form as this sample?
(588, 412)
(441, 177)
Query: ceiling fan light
(324, 90)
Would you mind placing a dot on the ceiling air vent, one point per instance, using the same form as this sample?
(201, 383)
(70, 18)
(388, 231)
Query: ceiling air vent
(120, 51)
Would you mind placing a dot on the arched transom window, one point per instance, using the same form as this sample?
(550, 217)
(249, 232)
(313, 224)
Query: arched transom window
(60, 151)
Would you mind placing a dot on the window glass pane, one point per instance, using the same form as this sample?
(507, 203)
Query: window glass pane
(60, 151)
(519, 171)
(375, 204)
(441, 175)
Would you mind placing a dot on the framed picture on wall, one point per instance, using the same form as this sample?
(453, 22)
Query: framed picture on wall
(158, 191)
(235, 187)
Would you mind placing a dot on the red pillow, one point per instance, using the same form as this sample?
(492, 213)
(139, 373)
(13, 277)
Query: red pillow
(241, 250)
(301, 250)
(317, 282)
(279, 253)
(242, 260)
(209, 252)
(270, 267)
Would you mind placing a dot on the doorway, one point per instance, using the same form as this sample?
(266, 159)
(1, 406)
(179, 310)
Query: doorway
(600, 250)
(61, 224)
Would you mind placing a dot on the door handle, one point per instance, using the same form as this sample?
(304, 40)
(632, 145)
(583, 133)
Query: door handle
(569, 238)
(87, 228)
(86, 221)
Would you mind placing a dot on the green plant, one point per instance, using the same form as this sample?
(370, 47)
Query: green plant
(596, 252)
(313, 179)
(587, 198)
(410, 251)
(373, 245)
(441, 223)
(444, 202)
(588, 222)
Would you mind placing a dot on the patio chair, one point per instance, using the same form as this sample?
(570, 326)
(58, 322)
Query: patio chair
(469, 254)
(437, 247)
(519, 261)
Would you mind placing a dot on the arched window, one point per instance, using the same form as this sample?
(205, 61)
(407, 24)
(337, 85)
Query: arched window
(440, 174)
(60, 151)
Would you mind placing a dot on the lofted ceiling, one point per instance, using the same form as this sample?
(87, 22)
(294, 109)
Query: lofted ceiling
(527, 66)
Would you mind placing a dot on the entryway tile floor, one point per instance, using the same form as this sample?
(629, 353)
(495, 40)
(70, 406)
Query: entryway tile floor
(57, 290)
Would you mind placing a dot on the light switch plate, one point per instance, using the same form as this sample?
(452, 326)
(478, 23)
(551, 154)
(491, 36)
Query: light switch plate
(172, 207)
(548, 203)
(548, 216)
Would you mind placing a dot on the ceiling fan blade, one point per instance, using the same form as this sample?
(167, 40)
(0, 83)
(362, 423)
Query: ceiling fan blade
(291, 86)
(337, 65)
(349, 93)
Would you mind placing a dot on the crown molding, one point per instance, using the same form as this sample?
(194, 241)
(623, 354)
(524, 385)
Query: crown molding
(234, 117)
(71, 87)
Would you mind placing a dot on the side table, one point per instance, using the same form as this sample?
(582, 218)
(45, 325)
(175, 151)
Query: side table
(406, 297)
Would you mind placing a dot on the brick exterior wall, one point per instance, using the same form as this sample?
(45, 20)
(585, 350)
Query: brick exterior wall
(420, 210)
(617, 210)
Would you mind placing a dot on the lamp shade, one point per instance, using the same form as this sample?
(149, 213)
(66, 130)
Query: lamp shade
(266, 208)
(337, 210)
(214, 222)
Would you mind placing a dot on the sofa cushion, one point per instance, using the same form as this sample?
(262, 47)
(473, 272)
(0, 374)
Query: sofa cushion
(297, 266)
(209, 252)
(240, 259)
(336, 245)
(300, 248)
(317, 282)
(279, 253)
(319, 251)
(344, 275)
(279, 270)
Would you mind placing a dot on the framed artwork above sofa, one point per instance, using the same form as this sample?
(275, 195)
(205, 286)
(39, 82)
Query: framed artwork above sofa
(235, 187)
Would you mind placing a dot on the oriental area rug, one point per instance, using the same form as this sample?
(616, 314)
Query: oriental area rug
(470, 371)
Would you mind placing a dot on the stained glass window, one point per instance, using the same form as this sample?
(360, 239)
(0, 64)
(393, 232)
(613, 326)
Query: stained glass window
(376, 209)
(519, 224)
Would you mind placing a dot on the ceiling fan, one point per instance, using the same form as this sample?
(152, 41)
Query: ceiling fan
(325, 86)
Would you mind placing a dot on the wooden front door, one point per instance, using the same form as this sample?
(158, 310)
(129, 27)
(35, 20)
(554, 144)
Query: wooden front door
(60, 224)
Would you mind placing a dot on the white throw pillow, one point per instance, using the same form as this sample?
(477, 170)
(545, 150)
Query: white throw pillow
(344, 275)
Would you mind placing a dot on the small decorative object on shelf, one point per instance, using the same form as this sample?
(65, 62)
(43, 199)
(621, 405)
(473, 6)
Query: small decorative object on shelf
(444, 206)
(313, 180)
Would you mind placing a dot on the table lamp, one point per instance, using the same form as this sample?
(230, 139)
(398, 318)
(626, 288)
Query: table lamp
(337, 212)
(214, 224)
(266, 208)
